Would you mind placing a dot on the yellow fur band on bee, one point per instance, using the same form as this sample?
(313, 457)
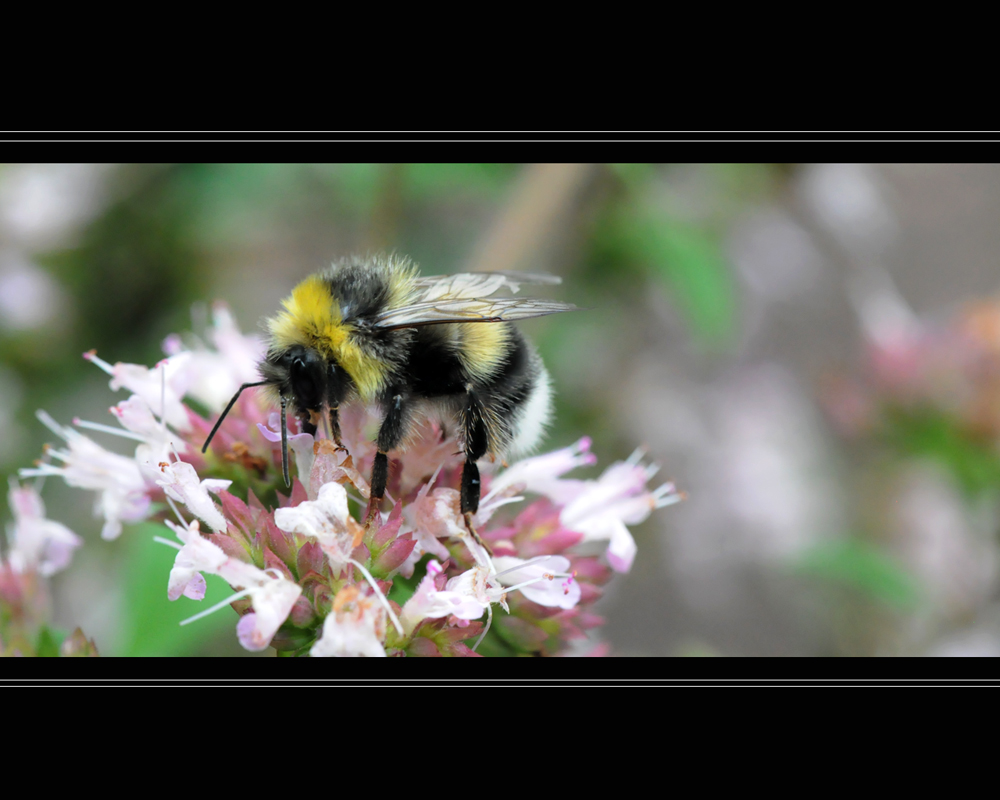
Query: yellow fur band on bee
(312, 318)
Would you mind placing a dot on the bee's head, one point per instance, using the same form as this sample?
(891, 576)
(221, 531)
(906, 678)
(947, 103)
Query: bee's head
(304, 377)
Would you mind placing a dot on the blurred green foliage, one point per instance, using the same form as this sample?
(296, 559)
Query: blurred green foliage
(972, 461)
(856, 565)
(48, 642)
(685, 259)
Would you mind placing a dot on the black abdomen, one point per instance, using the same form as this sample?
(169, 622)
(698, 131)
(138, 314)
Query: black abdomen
(486, 407)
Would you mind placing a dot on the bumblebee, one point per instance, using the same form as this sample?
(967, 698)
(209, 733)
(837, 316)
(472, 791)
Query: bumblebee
(374, 331)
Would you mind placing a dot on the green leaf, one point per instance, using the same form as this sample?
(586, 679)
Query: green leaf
(48, 642)
(689, 262)
(972, 462)
(858, 565)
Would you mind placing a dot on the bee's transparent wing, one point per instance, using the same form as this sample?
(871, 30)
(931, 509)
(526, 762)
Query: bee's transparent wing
(475, 309)
(475, 285)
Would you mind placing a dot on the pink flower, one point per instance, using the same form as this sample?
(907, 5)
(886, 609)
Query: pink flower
(428, 602)
(328, 520)
(124, 494)
(437, 513)
(157, 441)
(180, 482)
(196, 556)
(331, 464)
(355, 627)
(37, 542)
(479, 585)
(601, 509)
(543, 474)
(161, 387)
(468, 595)
(212, 376)
(272, 597)
(136, 416)
(544, 580)
(425, 454)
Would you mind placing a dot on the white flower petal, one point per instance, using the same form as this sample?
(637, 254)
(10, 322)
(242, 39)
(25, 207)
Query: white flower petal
(352, 632)
(180, 482)
(272, 603)
(37, 542)
(325, 519)
(198, 554)
(552, 585)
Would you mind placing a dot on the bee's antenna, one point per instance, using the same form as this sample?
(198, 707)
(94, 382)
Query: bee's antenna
(284, 442)
(232, 402)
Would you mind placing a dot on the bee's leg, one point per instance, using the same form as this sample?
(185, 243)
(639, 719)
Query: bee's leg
(477, 444)
(306, 425)
(390, 435)
(335, 429)
(380, 476)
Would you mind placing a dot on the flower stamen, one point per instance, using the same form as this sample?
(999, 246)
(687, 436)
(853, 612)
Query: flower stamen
(161, 540)
(221, 604)
(489, 621)
(177, 512)
(381, 597)
(91, 356)
(97, 426)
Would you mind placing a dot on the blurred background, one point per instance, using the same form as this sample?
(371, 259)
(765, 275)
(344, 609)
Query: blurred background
(811, 352)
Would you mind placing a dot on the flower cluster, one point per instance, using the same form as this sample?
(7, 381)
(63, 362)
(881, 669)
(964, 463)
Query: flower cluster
(309, 577)
(37, 547)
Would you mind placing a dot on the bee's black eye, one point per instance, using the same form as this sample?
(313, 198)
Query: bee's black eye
(308, 380)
